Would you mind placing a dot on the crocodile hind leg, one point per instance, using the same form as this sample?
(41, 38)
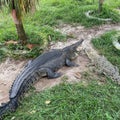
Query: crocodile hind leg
(70, 63)
(49, 73)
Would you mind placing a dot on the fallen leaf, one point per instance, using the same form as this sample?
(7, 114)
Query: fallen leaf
(13, 118)
(31, 46)
(47, 102)
(33, 111)
(78, 75)
(11, 42)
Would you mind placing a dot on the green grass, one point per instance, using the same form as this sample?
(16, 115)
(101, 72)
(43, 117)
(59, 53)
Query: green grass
(106, 48)
(40, 26)
(67, 102)
(72, 11)
(112, 4)
(72, 102)
(37, 34)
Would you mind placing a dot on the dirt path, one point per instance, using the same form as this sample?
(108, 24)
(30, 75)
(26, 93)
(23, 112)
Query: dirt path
(10, 68)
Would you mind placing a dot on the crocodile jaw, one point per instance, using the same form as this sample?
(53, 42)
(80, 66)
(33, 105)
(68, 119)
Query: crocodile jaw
(76, 54)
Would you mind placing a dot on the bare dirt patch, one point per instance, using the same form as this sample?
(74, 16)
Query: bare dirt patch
(11, 68)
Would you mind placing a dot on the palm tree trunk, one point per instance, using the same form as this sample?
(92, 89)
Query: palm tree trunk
(20, 29)
(33, 8)
(100, 6)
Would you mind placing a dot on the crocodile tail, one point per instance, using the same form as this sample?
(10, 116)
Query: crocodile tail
(9, 106)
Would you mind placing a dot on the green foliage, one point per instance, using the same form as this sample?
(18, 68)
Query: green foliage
(21, 6)
(112, 4)
(41, 36)
(105, 46)
(106, 13)
(2, 55)
(72, 102)
(74, 12)
(40, 26)
(66, 11)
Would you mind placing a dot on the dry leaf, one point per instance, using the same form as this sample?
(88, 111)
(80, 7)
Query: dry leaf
(47, 102)
(31, 46)
(33, 111)
(13, 118)
(78, 75)
(11, 42)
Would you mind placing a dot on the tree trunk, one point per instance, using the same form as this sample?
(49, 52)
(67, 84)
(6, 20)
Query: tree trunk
(33, 9)
(100, 6)
(20, 29)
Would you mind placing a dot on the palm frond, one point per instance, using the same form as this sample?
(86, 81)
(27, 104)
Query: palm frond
(21, 6)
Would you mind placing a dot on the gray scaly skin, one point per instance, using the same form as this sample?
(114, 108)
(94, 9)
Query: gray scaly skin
(45, 65)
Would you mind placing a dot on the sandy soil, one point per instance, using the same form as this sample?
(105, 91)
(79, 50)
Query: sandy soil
(10, 68)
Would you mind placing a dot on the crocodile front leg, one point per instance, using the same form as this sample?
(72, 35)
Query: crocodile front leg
(70, 63)
(49, 73)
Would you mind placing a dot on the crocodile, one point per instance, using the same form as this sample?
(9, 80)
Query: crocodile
(44, 65)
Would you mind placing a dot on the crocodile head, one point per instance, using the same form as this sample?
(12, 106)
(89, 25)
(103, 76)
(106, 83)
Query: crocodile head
(73, 50)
